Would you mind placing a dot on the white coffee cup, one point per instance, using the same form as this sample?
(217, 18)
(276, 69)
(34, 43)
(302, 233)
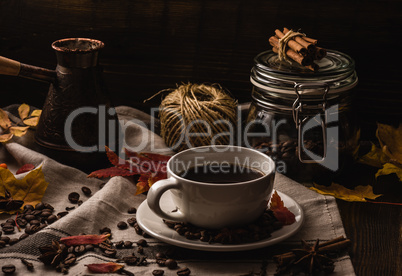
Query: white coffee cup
(214, 205)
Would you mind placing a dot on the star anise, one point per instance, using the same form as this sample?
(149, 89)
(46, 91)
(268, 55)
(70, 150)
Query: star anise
(311, 260)
(53, 254)
(8, 203)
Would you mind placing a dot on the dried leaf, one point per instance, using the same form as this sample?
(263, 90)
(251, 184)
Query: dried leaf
(31, 121)
(390, 139)
(104, 267)
(19, 131)
(389, 168)
(374, 158)
(23, 111)
(84, 239)
(142, 184)
(6, 137)
(360, 193)
(281, 212)
(110, 172)
(25, 168)
(5, 122)
(36, 113)
(30, 189)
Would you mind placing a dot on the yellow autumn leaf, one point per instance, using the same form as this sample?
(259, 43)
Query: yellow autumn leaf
(31, 121)
(23, 111)
(374, 158)
(360, 193)
(389, 168)
(6, 137)
(30, 189)
(390, 139)
(5, 122)
(19, 131)
(36, 113)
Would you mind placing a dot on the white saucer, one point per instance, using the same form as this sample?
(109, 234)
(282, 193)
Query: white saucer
(155, 227)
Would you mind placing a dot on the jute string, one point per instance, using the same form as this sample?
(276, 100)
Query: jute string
(283, 42)
(195, 115)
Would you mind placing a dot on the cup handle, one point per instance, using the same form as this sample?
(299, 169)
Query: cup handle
(154, 195)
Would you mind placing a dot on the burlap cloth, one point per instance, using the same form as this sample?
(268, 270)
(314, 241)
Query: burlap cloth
(109, 205)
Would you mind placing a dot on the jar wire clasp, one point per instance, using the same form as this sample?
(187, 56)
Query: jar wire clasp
(305, 122)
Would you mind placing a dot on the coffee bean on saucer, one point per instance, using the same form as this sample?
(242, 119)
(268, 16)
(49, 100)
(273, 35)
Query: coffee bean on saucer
(185, 271)
(158, 272)
(132, 210)
(131, 221)
(8, 269)
(122, 225)
(74, 197)
(87, 191)
(171, 263)
(39, 206)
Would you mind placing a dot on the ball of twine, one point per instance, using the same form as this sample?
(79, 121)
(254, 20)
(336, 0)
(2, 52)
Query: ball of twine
(195, 115)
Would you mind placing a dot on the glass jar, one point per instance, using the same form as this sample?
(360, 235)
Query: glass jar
(304, 120)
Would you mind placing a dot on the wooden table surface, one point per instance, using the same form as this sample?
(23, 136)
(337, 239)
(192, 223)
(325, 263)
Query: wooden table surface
(375, 229)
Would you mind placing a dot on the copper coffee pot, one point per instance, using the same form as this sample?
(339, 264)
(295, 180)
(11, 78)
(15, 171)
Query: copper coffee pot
(77, 115)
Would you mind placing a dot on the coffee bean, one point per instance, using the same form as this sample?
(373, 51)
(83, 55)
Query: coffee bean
(142, 243)
(62, 214)
(102, 185)
(28, 265)
(158, 272)
(8, 269)
(79, 202)
(22, 222)
(13, 241)
(128, 244)
(8, 229)
(39, 206)
(11, 221)
(171, 263)
(51, 219)
(87, 191)
(48, 206)
(30, 217)
(2, 244)
(70, 208)
(145, 235)
(34, 222)
(161, 261)
(119, 244)
(28, 207)
(111, 253)
(89, 247)
(122, 225)
(5, 239)
(74, 197)
(23, 236)
(130, 260)
(132, 210)
(160, 255)
(185, 271)
(131, 221)
(105, 229)
(140, 249)
(36, 212)
(79, 249)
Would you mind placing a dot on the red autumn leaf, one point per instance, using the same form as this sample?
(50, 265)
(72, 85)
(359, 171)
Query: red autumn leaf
(25, 168)
(104, 267)
(113, 171)
(84, 239)
(116, 160)
(280, 211)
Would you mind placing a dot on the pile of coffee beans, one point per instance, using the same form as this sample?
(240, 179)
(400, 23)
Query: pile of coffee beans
(259, 230)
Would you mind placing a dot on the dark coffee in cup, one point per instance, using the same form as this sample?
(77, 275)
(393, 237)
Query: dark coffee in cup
(221, 173)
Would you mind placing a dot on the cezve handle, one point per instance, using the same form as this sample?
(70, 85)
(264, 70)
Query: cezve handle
(15, 68)
(9, 67)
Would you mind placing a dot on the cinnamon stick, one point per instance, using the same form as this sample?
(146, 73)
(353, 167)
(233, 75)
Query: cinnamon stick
(320, 53)
(292, 44)
(311, 48)
(302, 60)
(311, 40)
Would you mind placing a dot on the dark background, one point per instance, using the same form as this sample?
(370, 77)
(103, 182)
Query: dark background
(154, 45)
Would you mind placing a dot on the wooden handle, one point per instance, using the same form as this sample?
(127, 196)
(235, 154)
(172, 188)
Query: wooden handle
(9, 67)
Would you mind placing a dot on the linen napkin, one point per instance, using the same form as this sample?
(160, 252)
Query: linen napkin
(108, 205)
